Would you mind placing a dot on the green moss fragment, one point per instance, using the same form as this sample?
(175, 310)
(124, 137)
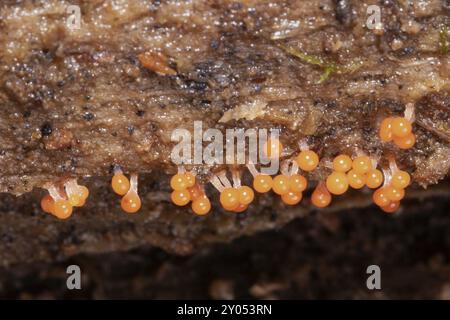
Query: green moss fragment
(443, 39)
(328, 67)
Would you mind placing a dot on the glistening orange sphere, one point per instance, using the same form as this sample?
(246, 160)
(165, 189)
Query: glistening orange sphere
(381, 198)
(120, 184)
(356, 180)
(307, 160)
(386, 130)
(400, 179)
(297, 183)
(229, 198)
(337, 183)
(342, 163)
(401, 127)
(179, 182)
(291, 198)
(62, 209)
(374, 178)
(406, 142)
(180, 197)
(201, 206)
(320, 197)
(281, 184)
(362, 164)
(47, 204)
(131, 202)
(262, 183)
(246, 195)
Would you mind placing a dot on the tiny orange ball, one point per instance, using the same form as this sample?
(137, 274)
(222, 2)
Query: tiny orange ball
(406, 142)
(179, 181)
(320, 197)
(180, 197)
(337, 183)
(75, 200)
(380, 197)
(400, 179)
(362, 164)
(246, 195)
(131, 202)
(281, 184)
(391, 207)
(386, 130)
(297, 183)
(395, 194)
(273, 148)
(190, 179)
(401, 127)
(195, 192)
(342, 163)
(356, 180)
(291, 198)
(83, 192)
(47, 204)
(120, 184)
(262, 183)
(374, 178)
(201, 206)
(62, 209)
(307, 160)
(229, 198)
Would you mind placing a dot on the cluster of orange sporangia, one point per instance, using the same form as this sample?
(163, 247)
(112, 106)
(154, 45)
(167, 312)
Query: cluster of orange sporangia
(186, 189)
(399, 129)
(348, 171)
(130, 202)
(61, 199)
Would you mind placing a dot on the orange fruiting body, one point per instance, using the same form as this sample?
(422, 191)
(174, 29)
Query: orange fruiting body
(337, 183)
(179, 181)
(398, 129)
(307, 160)
(75, 200)
(262, 183)
(201, 206)
(386, 130)
(374, 178)
(229, 198)
(356, 180)
(180, 197)
(190, 179)
(297, 183)
(120, 184)
(280, 184)
(401, 127)
(246, 195)
(391, 207)
(381, 198)
(291, 198)
(320, 197)
(394, 194)
(195, 192)
(131, 202)
(62, 209)
(47, 204)
(342, 163)
(400, 179)
(406, 142)
(83, 192)
(362, 164)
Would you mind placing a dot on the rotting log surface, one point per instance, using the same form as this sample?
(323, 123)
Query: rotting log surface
(73, 103)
